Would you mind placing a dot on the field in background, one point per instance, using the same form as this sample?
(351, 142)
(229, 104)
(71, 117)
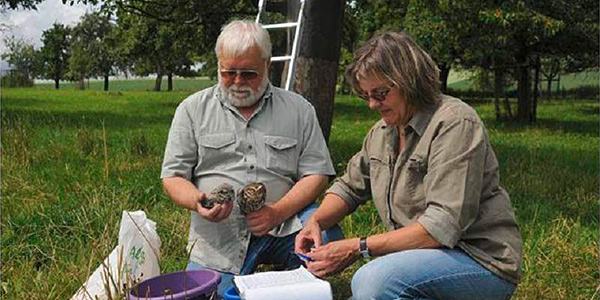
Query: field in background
(73, 160)
(457, 80)
(134, 84)
(462, 81)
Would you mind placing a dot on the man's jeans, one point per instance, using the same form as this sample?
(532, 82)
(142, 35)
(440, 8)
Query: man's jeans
(428, 274)
(271, 250)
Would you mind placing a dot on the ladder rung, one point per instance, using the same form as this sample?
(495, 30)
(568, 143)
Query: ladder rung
(280, 25)
(281, 58)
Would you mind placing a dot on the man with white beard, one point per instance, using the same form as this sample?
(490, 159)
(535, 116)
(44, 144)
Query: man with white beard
(240, 131)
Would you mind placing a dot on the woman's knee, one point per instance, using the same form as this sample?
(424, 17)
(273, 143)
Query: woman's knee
(369, 282)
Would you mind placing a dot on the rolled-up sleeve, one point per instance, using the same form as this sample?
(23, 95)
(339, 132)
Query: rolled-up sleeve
(354, 187)
(181, 153)
(454, 178)
(314, 155)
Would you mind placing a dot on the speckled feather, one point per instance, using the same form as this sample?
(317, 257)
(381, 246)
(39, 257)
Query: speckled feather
(252, 197)
(219, 195)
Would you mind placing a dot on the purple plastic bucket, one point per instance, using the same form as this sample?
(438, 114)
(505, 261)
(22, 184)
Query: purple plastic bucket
(185, 285)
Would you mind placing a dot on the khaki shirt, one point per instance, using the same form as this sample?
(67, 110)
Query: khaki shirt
(446, 179)
(211, 143)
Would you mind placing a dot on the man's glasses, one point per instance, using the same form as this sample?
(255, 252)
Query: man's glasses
(378, 94)
(230, 74)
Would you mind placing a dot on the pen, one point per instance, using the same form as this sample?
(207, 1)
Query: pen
(303, 257)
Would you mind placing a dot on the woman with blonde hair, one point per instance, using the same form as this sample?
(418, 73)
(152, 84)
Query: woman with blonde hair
(433, 177)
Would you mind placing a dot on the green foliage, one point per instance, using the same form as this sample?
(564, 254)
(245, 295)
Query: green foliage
(55, 52)
(163, 37)
(61, 204)
(92, 47)
(22, 57)
(16, 79)
(14, 4)
(210, 66)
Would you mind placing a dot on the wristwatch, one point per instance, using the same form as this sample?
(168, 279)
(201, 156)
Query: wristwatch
(364, 249)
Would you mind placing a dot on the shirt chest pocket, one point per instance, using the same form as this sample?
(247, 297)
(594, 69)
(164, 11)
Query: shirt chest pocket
(416, 167)
(281, 154)
(216, 150)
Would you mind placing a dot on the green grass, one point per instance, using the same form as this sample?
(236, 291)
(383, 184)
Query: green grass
(62, 197)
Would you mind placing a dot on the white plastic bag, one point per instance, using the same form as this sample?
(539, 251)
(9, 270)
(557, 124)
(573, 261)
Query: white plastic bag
(135, 259)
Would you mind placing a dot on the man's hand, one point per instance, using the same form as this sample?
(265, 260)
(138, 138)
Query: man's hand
(309, 237)
(260, 222)
(333, 257)
(218, 213)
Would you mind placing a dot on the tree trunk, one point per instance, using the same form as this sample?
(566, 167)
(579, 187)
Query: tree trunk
(523, 87)
(533, 116)
(558, 87)
(498, 89)
(80, 83)
(170, 82)
(158, 82)
(444, 73)
(56, 81)
(318, 56)
(106, 82)
(507, 106)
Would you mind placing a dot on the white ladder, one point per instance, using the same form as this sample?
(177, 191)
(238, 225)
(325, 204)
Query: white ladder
(289, 81)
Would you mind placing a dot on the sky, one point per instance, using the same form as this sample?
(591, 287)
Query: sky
(29, 24)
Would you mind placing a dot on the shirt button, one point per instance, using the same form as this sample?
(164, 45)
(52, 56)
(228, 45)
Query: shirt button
(250, 147)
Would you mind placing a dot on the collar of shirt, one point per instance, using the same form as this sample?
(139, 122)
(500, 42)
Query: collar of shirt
(421, 119)
(227, 103)
(418, 122)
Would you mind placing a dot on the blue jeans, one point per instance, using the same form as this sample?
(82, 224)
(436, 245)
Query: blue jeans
(278, 251)
(428, 274)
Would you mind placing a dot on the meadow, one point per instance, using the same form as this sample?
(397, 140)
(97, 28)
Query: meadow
(73, 160)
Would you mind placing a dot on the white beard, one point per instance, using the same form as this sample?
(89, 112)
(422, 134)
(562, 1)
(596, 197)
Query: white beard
(243, 95)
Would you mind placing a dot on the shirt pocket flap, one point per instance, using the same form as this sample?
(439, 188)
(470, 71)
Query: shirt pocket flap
(417, 163)
(280, 142)
(374, 159)
(217, 140)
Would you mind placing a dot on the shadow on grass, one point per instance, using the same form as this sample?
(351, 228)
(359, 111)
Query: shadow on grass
(582, 127)
(565, 181)
(564, 126)
(590, 110)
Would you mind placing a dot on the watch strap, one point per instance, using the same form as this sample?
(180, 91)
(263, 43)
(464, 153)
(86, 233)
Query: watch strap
(364, 249)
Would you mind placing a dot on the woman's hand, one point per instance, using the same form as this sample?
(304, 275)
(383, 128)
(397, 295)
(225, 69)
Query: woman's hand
(309, 237)
(333, 257)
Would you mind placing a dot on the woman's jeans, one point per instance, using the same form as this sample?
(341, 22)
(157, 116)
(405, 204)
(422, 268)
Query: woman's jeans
(428, 274)
(277, 251)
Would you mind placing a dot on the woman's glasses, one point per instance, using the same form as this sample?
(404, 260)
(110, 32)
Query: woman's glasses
(378, 94)
(230, 74)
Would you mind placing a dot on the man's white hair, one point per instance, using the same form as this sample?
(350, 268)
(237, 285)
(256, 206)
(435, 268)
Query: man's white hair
(239, 36)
